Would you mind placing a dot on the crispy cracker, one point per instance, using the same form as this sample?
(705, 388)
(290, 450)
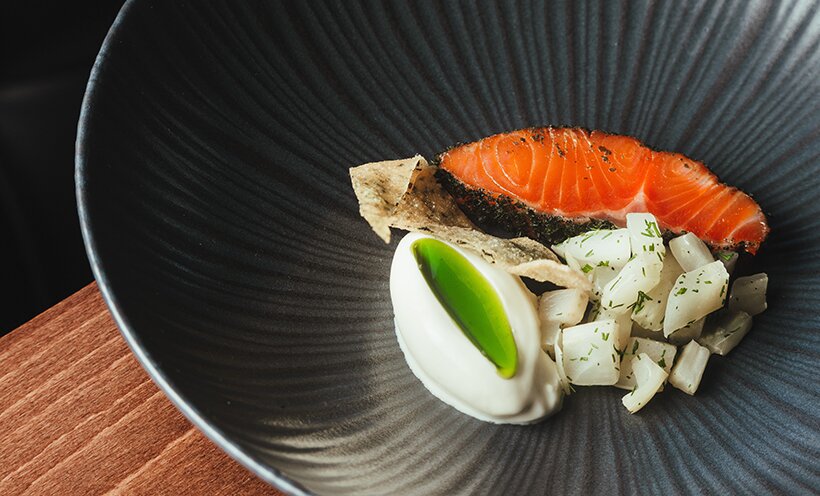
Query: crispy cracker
(405, 194)
(426, 205)
(379, 186)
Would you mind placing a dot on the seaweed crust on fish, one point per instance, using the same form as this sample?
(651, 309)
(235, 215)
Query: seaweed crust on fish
(502, 213)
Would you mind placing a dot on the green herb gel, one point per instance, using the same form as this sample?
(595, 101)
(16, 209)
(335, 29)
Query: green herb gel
(470, 300)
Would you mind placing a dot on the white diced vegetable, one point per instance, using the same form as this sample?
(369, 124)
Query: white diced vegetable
(661, 353)
(645, 235)
(550, 330)
(559, 365)
(571, 262)
(589, 356)
(749, 294)
(695, 295)
(601, 276)
(560, 249)
(645, 304)
(688, 371)
(623, 326)
(599, 248)
(690, 252)
(557, 309)
(650, 314)
(687, 333)
(566, 306)
(649, 377)
(728, 259)
(630, 286)
(722, 335)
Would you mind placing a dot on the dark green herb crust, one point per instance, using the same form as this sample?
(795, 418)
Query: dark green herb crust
(502, 213)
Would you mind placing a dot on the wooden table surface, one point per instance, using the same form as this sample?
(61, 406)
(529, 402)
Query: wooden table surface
(78, 415)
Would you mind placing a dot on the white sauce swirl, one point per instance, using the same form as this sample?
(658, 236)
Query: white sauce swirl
(447, 362)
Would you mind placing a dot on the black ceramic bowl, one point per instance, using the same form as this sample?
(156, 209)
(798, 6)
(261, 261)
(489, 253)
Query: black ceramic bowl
(212, 183)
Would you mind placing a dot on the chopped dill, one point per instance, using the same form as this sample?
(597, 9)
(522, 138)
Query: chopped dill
(651, 230)
(638, 304)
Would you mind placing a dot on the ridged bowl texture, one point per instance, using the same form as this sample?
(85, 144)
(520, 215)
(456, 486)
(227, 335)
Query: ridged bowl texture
(212, 179)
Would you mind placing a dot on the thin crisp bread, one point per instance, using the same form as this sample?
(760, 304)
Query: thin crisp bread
(405, 194)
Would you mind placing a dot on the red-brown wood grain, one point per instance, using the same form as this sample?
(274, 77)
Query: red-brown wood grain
(79, 416)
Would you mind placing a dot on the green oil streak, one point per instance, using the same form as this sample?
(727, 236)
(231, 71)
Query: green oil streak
(470, 300)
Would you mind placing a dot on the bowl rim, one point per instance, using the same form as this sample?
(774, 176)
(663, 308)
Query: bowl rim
(177, 397)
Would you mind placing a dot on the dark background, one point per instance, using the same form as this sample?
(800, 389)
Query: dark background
(47, 49)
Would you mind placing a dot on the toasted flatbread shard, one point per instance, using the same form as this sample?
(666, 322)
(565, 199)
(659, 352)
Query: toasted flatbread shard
(406, 195)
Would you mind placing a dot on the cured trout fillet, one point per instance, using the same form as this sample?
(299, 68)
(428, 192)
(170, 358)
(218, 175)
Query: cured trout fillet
(552, 183)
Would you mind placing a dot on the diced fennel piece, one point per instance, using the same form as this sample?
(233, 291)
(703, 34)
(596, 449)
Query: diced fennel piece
(566, 306)
(661, 353)
(687, 333)
(601, 276)
(645, 235)
(557, 309)
(559, 365)
(623, 325)
(690, 252)
(630, 286)
(590, 358)
(695, 295)
(560, 249)
(649, 378)
(599, 248)
(749, 294)
(728, 259)
(722, 335)
(650, 314)
(550, 330)
(688, 370)
(571, 262)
